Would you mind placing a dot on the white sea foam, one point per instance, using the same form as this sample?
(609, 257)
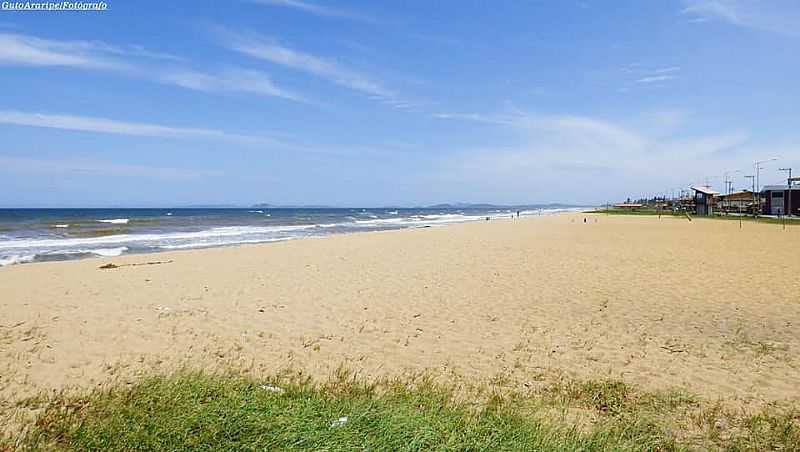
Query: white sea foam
(25, 258)
(115, 221)
(146, 239)
(255, 211)
(16, 259)
(60, 225)
(419, 220)
(209, 244)
(109, 252)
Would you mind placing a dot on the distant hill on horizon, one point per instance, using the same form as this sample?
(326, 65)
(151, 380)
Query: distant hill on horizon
(461, 205)
(458, 205)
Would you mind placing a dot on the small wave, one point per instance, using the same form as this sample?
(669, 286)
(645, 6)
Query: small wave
(169, 214)
(211, 244)
(16, 259)
(255, 211)
(115, 221)
(119, 239)
(60, 226)
(109, 252)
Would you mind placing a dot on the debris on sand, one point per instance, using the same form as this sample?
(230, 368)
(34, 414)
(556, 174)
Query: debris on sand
(339, 422)
(274, 389)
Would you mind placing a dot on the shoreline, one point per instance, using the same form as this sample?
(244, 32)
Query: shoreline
(57, 249)
(132, 254)
(655, 303)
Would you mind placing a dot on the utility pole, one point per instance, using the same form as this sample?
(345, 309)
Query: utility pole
(727, 182)
(758, 172)
(789, 183)
(753, 178)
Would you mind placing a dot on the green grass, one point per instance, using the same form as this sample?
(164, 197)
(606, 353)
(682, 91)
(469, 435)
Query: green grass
(196, 411)
(670, 213)
(642, 211)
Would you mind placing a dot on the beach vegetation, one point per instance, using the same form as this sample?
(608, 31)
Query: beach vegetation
(202, 411)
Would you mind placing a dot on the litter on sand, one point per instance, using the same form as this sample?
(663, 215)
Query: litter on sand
(274, 389)
(339, 422)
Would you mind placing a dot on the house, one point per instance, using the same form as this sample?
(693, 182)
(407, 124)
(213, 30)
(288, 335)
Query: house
(704, 200)
(776, 199)
(740, 201)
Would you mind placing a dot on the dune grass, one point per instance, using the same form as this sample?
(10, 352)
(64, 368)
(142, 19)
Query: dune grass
(681, 214)
(196, 411)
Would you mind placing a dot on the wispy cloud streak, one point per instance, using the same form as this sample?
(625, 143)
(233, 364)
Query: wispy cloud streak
(268, 49)
(23, 50)
(16, 49)
(315, 9)
(229, 80)
(655, 78)
(651, 76)
(116, 127)
(98, 168)
(776, 16)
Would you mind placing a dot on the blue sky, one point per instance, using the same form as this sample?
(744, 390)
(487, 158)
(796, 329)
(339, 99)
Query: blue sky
(393, 103)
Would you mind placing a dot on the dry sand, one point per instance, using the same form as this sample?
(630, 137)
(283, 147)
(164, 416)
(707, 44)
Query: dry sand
(658, 303)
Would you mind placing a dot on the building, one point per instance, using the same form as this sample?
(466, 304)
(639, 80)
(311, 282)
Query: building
(737, 202)
(776, 199)
(704, 200)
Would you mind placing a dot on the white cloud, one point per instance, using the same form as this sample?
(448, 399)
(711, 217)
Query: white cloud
(666, 70)
(23, 50)
(112, 126)
(315, 9)
(556, 127)
(98, 168)
(268, 49)
(776, 16)
(16, 49)
(655, 78)
(589, 158)
(477, 117)
(648, 76)
(231, 80)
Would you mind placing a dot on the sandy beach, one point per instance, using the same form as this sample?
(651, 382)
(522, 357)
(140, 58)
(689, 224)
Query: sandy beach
(703, 305)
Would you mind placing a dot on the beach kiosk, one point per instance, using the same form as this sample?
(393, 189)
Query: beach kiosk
(704, 200)
(736, 202)
(781, 200)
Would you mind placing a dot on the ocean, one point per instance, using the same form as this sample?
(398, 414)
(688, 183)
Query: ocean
(38, 235)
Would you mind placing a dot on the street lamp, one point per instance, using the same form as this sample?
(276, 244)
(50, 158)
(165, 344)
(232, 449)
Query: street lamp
(758, 171)
(754, 192)
(789, 183)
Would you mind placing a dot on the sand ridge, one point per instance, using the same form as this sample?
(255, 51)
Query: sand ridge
(702, 304)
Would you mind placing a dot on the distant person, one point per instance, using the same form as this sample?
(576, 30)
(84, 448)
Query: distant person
(518, 214)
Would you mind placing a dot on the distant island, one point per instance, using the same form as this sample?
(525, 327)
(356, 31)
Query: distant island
(458, 205)
(462, 205)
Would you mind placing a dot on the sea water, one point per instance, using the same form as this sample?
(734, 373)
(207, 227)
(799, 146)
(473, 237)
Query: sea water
(35, 235)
